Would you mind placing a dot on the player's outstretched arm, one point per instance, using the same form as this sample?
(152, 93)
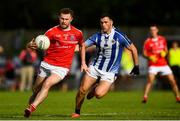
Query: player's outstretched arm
(83, 56)
(135, 70)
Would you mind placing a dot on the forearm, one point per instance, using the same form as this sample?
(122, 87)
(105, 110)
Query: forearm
(82, 53)
(145, 54)
(135, 70)
(134, 52)
(135, 56)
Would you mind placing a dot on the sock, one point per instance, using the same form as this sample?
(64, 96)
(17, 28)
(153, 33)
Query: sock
(145, 97)
(77, 111)
(32, 107)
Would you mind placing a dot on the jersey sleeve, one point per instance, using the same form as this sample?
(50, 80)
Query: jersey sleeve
(80, 38)
(165, 42)
(124, 40)
(91, 40)
(145, 46)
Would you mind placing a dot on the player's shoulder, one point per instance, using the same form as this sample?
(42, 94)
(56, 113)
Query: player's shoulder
(149, 39)
(162, 37)
(52, 29)
(97, 34)
(120, 33)
(76, 30)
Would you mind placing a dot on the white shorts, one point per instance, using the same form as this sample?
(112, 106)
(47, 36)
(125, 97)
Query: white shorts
(46, 69)
(104, 76)
(163, 70)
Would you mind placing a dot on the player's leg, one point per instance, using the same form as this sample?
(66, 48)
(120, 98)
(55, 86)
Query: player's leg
(36, 87)
(148, 86)
(43, 92)
(86, 84)
(43, 73)
(47, 84)
(91, 92)
(55, 74)
(102, 89)
(174, 86)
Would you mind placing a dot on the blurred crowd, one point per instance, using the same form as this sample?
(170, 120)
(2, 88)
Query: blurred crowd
(17, 72)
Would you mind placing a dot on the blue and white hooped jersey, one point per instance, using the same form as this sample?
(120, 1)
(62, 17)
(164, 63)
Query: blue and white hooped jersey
(110, 47)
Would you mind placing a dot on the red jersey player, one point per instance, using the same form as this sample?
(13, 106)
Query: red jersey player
(58, 58)
(155, 50)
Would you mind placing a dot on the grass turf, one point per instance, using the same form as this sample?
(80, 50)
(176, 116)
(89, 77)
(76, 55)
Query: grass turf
(116, 105)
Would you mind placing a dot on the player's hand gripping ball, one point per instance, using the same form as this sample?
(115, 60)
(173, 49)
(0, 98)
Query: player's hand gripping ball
(42, 42)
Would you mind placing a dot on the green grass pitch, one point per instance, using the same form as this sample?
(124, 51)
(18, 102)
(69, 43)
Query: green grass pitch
(116, 105)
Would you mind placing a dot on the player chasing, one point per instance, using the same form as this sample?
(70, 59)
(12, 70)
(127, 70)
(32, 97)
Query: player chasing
(110, 43)
(155, 50)
(57, 61)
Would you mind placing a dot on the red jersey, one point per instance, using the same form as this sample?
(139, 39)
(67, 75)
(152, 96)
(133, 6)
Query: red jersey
(62, 46)
(154, 47)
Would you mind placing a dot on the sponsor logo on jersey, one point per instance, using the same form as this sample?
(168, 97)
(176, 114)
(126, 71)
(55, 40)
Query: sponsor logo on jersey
(113, 41)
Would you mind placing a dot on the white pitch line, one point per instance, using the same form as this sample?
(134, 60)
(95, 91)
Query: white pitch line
(92, 114)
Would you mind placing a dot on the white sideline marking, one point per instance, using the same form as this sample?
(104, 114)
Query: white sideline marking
(102, 114)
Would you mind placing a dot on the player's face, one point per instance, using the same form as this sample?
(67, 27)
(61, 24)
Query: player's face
(106, 24)
(65, 20)
(175, 45)
(154, 31)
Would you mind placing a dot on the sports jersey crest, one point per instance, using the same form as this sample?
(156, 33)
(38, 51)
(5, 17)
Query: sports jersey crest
(72, 37)
(113, 41)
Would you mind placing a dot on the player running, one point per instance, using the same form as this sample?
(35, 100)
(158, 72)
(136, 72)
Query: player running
(110, 43)
(58, 58)
(155, 50)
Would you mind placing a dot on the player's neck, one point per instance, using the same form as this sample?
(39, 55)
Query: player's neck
(66, 29)
(155, 37)
(109, 31)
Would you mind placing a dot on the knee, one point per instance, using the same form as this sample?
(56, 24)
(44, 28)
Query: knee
(149, 82)
(46, 85)
(98, 95)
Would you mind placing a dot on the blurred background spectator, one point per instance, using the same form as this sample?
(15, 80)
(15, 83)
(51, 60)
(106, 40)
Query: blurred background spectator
(28, 59)
(174, 60)
(2, 65)
(10, 78)
(124, 80)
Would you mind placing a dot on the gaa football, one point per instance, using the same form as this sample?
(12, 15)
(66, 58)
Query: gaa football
(42, 42)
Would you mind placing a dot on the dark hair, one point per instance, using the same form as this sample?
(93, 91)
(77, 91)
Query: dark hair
(106, 15)
(152, 25)
(66, 11)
